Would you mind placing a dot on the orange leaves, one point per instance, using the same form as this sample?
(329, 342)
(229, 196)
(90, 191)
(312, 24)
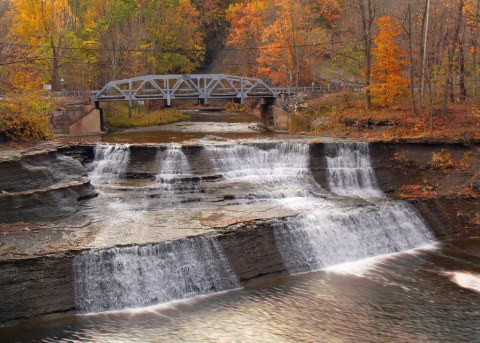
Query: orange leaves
(387, 70)
(416, 191)
(283, 37)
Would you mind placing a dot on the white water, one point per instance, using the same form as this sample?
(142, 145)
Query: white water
(324, 238)
(270, 170)
(349, 169)
(110, 163)
(173, 164)
(139, 276)
(330, 234)
(467, 280)
(325, 232)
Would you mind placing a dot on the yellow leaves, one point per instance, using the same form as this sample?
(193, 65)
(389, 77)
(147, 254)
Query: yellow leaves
(22, 82)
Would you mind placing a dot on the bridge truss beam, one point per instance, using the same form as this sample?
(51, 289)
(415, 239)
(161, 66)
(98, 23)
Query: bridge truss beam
(192, 86)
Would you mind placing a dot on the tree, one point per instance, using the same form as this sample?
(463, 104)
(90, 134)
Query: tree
(387, 70)
(248, 20)
(111, 32)
(48, 26)
(25, 111)
(367, 12)
(173, 33)
(282, 39)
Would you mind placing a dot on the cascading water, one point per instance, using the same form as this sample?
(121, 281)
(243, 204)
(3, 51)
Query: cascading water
(349, 169)
(174, 176)
(325, 238)
(325, 232)
(138, 276)
(271, 170)
(330, 234)
(110, 162)
(172, 162)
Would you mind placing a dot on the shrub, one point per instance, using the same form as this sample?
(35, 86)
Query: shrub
(236, 108)
(402, 160)
(24, 113)
(117, 116)
(25, 117)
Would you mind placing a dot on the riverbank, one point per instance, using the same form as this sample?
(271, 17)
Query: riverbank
(344, 115)
(117, 116)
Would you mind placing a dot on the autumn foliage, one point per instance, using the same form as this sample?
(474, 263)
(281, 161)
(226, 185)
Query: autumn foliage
(25, 111)
(282, 40)
(388, 81)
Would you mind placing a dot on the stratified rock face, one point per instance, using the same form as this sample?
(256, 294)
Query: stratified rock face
(41, 187)
(36, 286)
(252, 250)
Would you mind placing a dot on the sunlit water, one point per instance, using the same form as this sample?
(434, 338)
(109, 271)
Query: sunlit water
(407, 297)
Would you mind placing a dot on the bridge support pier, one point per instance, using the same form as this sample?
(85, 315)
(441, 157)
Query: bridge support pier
(274, 116)
(102, 119)
(266, 111)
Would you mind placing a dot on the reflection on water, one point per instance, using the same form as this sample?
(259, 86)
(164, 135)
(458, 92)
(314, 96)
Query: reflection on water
(408, 297)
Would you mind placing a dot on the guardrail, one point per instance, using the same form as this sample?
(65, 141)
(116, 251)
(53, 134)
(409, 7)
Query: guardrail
(317, 89)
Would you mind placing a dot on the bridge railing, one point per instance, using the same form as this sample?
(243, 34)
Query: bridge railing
(317, 89)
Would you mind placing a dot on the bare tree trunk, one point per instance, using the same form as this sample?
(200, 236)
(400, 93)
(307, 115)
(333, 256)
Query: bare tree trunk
(475, 74)
(294, 40)
(430, 106)
(368, 15)
(461, 78)
(55, 69)
(475, 53)
(452, 50)
(411, 68)
(426, 19)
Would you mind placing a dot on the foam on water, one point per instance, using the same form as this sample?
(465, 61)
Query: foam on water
(467, 280)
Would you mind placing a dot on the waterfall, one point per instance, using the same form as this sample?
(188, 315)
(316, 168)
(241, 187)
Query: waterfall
(110, 162)
(327, 233)
(272, 170)
(172, 162)
(324, 238)
(174, 177)
(349, 169)
(138, 276)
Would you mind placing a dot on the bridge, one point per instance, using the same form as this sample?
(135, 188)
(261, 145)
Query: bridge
(189, 86)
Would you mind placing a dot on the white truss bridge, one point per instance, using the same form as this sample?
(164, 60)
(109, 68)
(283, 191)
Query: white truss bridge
(188, 86)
